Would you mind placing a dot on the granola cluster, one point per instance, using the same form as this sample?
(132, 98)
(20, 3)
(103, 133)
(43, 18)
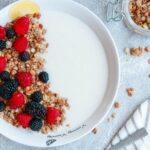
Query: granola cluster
(137, 51)
(37, 46)
(140, 12)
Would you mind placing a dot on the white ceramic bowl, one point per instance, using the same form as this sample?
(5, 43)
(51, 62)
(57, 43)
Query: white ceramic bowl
(83, 64)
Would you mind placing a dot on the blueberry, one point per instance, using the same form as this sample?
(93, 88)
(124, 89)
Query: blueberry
(2, 106)
(37, 96)
(35, 109)
(35, 124)
(44, 77)
(24, 56)
(2, 45)
(5, 75)
(10, 32)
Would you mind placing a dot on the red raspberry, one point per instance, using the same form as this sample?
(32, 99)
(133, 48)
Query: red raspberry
(17, 100)
(24, 78)
(20, 44)
(3, 62)
(21, 25)
(52, 115)
(24, 119)
(2, 32)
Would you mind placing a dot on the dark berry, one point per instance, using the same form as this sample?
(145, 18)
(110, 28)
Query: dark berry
(35, 109)
(10, 33)
(24, 56)
(37, 96)
(2, 45)
(35, 124)
(5, 75)
(2, 106)
(43, 76)
(8, 88)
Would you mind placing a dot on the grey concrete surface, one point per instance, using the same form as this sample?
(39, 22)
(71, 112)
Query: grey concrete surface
(134, 73)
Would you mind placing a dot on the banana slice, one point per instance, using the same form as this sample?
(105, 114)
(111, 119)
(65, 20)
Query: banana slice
(22, 8)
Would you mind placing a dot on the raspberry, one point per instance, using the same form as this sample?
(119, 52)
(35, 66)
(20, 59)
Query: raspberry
(2, 32)
(35, 109)
(5, 75)
(3, 62)
(37, 96)
(20, 44)
(17, 100)
(10, 32)
(24, 78)
(36, 124)
(24, 119)
(43, 76)
(52, 115)
(21, 25)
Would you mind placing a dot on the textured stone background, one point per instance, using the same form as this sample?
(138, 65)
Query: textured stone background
(134, 73)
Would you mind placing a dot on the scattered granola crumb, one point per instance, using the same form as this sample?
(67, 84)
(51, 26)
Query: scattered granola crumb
(136, 51)
(94, 130)
(148, 61)
(147, 49)
(113, 115)
(130, 91)
(117, 105)
(67, 125)
(127, 51)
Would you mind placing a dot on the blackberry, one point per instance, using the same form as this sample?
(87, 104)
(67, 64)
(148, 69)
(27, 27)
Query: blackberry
(10, 33)
(2, 106)
(2, 45)
(35, 109)
(43, 76)
(37, 96)
(5, 75)
(8, 88)
(35, 124)
(24, 56)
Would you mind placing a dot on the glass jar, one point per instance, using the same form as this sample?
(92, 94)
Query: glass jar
(119, 10)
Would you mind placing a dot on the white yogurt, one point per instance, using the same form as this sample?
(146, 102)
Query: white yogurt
(77, 65)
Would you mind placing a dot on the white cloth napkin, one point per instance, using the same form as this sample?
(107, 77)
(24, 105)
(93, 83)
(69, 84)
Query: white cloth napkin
(135, 133)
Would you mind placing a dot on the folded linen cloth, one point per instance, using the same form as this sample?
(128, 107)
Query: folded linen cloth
(135, 133)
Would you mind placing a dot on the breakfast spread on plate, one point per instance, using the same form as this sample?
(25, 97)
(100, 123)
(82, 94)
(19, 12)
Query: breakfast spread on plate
(25, 96)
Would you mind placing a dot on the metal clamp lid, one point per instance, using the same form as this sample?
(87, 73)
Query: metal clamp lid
(115, 11)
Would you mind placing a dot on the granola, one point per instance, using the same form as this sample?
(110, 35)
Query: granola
(117, 105)
(37, 45)
(130, 92)
(137, 51)
(140, 12)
